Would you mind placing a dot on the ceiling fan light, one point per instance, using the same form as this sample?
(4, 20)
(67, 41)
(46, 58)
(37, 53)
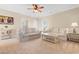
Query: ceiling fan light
(36, 11)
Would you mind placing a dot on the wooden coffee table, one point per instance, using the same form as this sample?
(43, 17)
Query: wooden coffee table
(50, 37)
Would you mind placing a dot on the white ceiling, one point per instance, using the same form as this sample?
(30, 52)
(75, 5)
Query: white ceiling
(49, 9)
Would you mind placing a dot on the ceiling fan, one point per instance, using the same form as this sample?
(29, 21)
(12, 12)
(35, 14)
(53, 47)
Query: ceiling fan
(36, 8)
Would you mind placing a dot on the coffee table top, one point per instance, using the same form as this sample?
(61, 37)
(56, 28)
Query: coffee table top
(50, 34)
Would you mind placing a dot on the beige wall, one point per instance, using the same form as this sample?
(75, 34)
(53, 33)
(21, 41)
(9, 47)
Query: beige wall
(63, 19)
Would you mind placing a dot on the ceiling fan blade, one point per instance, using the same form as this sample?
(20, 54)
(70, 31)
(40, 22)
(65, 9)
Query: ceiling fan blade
(41, 7)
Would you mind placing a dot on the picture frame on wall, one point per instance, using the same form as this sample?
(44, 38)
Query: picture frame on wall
(6, 20)
(1, 20)
(10, 20)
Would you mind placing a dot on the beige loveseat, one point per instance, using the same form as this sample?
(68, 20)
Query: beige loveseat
(73, 37)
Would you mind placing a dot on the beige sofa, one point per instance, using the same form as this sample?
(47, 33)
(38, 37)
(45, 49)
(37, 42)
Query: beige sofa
(55, 33)
(30, 34)
(73, 37)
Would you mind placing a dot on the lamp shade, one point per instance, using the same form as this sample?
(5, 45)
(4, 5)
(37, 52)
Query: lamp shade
(75, 24)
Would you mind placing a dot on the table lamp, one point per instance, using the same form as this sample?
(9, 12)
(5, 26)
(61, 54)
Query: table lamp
(74, 25)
